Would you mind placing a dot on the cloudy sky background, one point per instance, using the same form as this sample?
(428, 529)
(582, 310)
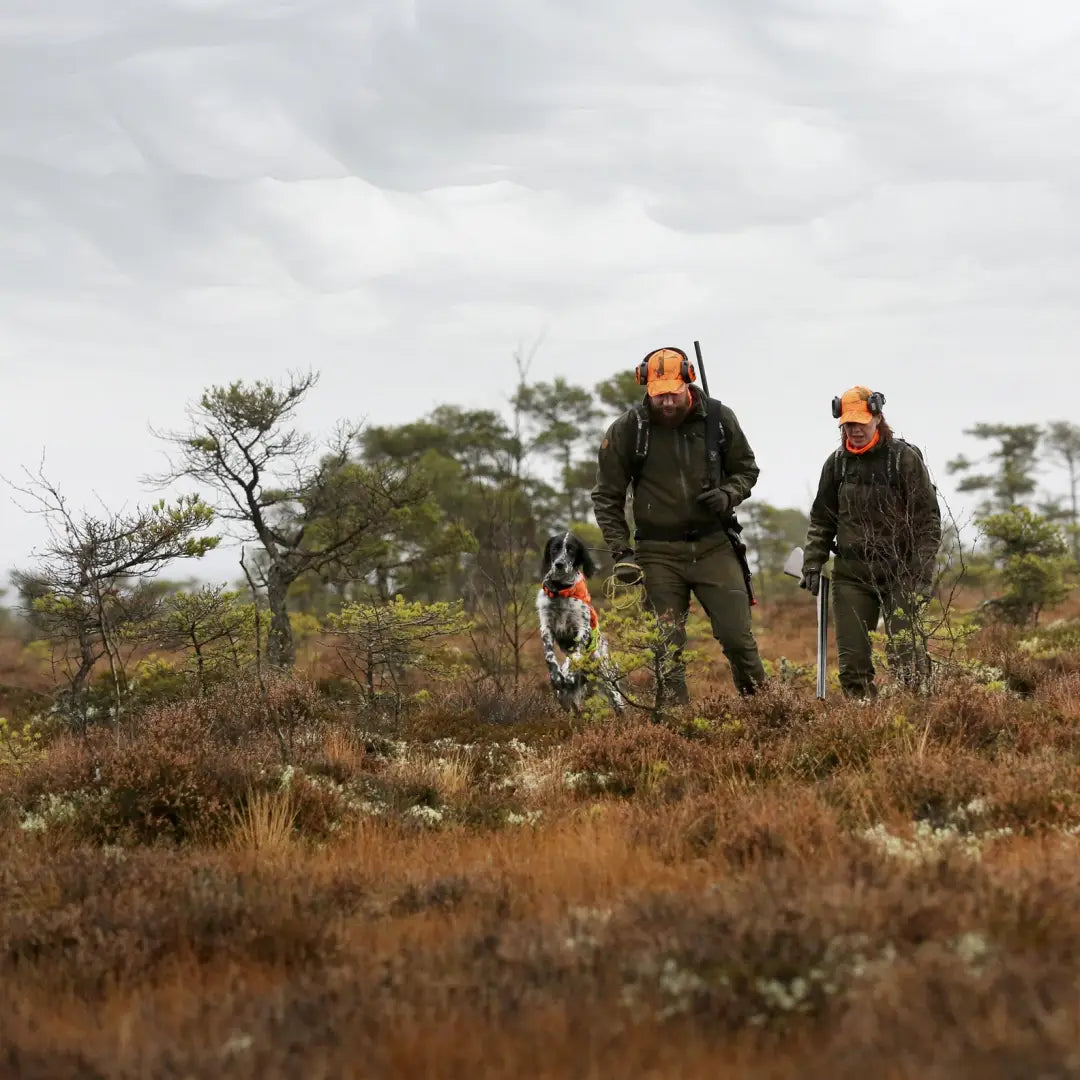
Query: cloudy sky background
(401, 194)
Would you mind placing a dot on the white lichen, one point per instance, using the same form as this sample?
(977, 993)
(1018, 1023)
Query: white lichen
(429, 815)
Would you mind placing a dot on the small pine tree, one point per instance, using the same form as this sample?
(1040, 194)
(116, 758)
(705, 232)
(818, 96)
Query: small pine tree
(379, 643)
(642, 661)
(1031, 554)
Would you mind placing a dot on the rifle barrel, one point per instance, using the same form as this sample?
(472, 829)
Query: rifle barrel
(701, 368)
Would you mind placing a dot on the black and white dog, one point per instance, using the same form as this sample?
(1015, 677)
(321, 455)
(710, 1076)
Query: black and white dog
(568, 619)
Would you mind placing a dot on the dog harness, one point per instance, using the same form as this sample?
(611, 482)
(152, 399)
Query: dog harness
(578, 591)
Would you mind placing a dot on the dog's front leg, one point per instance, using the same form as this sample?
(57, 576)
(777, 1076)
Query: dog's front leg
(547, 643)
(577, 680)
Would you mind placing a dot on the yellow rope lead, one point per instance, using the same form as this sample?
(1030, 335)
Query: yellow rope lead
(622, 595)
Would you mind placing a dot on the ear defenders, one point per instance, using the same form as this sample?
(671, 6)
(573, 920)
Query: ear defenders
(875, 403)
(686, 369)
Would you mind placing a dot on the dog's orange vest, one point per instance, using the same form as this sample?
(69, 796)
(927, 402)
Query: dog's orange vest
(578, 591)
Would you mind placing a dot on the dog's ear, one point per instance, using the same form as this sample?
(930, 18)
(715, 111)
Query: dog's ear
(585, 560)
(545, 561)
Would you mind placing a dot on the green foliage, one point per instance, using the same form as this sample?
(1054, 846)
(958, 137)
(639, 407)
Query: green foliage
(789, 672)
(561, 420)
(92, 591)
(155, 680)
(1059, 638)
(18, 742)
(1030, 553)
(770, 533)
(479, 505)
(305, 627)
(1012, 463)
(619, 392)
(379, 643)
(642, 661)
(214, 626)
(308, 511)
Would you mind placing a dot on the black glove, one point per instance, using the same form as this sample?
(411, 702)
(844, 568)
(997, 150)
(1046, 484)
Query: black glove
(626, 571)
(719, 502)
(811, 580)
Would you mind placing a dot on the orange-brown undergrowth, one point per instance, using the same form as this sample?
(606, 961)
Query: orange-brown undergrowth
(287, 887)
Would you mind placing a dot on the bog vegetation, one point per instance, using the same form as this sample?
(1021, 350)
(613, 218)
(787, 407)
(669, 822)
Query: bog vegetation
(325, 819)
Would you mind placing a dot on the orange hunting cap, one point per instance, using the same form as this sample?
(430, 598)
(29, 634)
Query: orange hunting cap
(665, 371)
(854, 406)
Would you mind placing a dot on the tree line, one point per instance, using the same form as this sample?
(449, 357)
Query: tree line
(450, 509)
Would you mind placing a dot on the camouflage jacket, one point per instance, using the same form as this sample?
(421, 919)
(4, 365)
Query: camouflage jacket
(879, 512)
(673, 475)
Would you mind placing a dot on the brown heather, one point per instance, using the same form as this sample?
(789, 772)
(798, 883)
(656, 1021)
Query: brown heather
(257, 887)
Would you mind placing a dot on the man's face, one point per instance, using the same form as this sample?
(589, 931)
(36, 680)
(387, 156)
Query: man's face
(671, 408)
(859, 435)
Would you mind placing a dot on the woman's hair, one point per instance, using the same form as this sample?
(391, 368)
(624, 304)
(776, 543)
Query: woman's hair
(883, 427)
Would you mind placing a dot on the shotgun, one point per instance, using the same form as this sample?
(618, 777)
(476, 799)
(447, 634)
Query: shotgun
(701, 368)
(793, 568)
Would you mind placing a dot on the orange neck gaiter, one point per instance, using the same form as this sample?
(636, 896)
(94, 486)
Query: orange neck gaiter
(865, 449)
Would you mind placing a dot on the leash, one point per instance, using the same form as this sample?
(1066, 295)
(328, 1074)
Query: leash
(622, 595)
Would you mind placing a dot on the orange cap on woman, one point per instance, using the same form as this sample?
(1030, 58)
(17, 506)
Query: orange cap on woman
(854, 406)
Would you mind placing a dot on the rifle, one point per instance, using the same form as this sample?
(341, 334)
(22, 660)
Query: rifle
(732, 528)
(701, 368)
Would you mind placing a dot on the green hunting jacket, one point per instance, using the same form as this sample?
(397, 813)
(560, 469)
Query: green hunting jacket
(673, 475)
(879, 513)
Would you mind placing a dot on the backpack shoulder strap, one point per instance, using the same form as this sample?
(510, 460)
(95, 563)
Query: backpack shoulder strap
(899, 446)
(715, 440)
(641, 442)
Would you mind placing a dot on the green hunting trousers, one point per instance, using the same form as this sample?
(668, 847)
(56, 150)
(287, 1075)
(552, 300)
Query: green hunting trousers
(857, 607)
(711, 571)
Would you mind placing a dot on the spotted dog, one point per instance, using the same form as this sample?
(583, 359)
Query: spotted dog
(568, 619)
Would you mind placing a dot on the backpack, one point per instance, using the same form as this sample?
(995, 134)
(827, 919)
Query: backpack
(715, 441)
(896, 448)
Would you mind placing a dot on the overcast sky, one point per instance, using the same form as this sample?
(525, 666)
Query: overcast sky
(401, 194)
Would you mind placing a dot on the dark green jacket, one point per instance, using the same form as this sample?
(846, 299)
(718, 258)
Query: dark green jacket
(673, 476)
(879, 512)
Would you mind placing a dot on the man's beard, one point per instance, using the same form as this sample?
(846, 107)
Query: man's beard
(673, 419)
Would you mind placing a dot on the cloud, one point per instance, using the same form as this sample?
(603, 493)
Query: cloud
(822, 191)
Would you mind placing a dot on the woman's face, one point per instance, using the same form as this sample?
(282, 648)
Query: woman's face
(859, 435)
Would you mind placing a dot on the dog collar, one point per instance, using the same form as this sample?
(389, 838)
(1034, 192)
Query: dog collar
(578, 591)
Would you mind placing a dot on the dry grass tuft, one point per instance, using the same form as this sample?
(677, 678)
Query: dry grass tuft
(343, 750)
(449, 773)
(264, 822)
